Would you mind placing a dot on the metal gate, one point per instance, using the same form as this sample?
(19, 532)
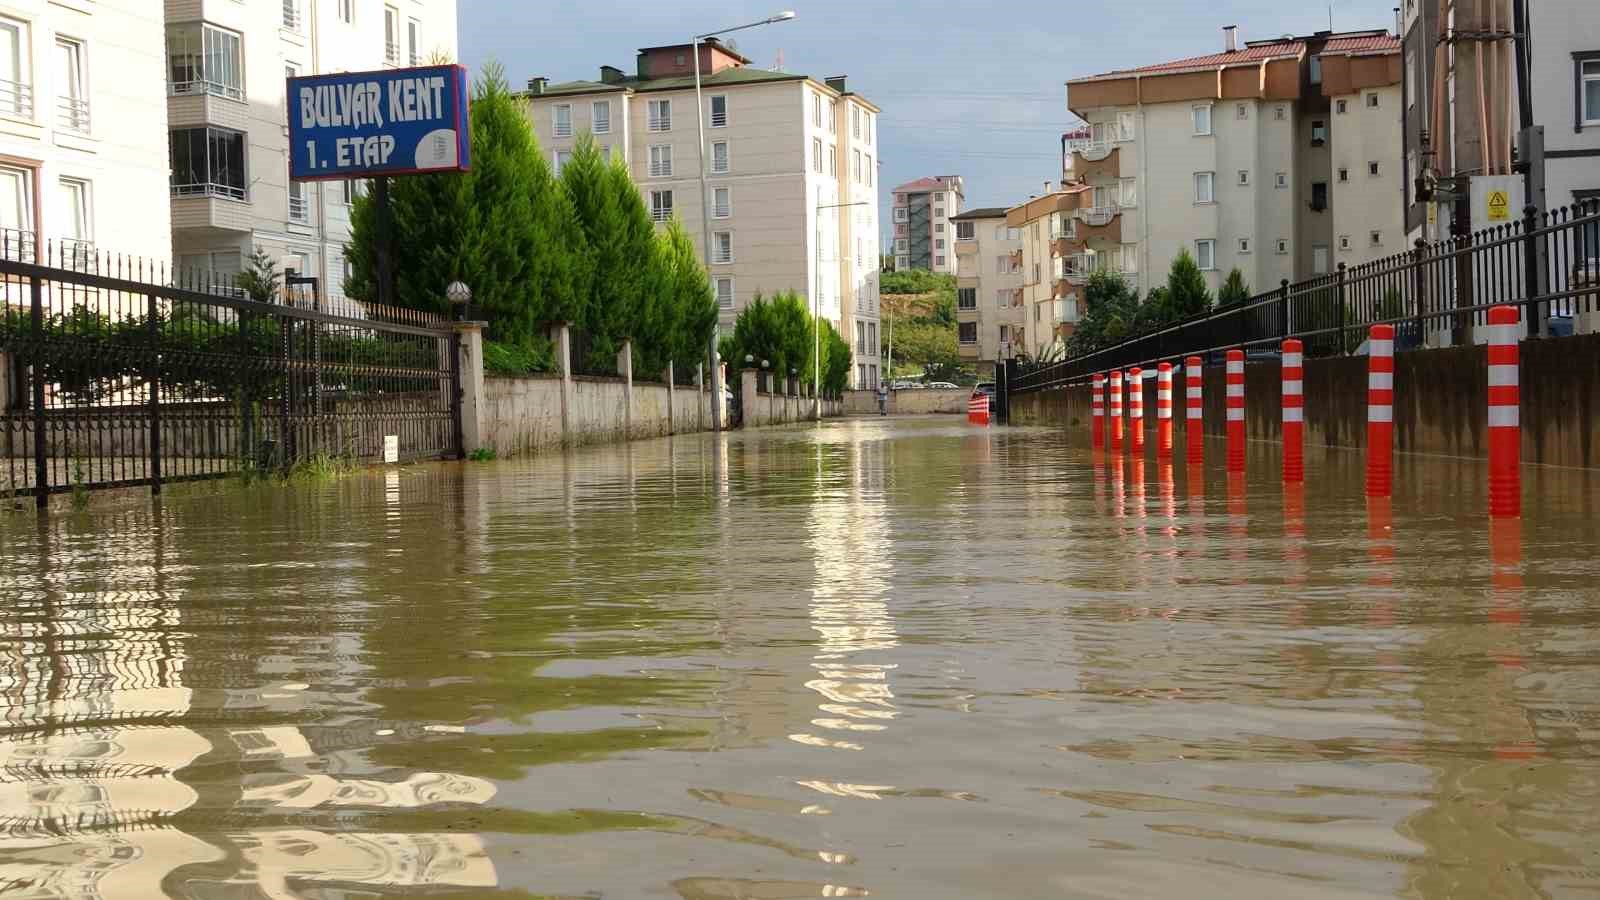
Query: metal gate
(112, 375)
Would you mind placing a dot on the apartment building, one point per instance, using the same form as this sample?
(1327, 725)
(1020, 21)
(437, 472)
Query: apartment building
(1281, 158)
(793, 198)
(1565, 78)
(991, 325)
(922, 213)
(1055, 259)
(83, 155)
(226, 116)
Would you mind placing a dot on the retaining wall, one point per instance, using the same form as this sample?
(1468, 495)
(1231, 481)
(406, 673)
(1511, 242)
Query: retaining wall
(523, 415)
(1441, 402)
(909, 403)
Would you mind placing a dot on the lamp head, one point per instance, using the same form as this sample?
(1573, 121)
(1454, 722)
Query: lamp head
(784, 16)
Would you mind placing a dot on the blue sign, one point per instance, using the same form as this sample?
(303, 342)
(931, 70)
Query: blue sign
(370, 124)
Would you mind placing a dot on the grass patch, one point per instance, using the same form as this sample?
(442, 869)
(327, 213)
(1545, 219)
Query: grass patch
(483, 454)
(320, 467)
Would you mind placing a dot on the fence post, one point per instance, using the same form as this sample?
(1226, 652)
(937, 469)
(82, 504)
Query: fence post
(702, 405)
(625, 369)
(1344, 312)
(1419, 288)
(672, 396)
(41, 463)
(152, 378)
(468, 339)
(1531, 271)
(563, 342)
(1288, 314)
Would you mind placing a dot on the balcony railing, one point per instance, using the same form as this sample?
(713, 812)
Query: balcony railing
(1078, 267)
(16, 99)
(79, 256)
(1099, 216)
(201, 86)
(211, 189)
(17, 245)
(299, 210)
(661, 214)
(72, 114)
(291, 15)
(391, 52)
(1091, 149)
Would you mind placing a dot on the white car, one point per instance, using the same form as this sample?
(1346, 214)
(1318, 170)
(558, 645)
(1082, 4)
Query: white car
(943, 386)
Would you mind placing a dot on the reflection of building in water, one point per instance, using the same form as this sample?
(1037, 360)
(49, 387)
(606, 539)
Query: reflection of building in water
(277, 862)
(88, 767)
(849, 604)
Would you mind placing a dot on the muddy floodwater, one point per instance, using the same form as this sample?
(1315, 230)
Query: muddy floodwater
(885, 658)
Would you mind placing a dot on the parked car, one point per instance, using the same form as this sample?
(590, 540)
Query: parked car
(986, 388)
(943, 386)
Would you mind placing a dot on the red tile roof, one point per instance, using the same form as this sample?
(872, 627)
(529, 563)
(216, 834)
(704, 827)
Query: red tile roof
(1255, 52)
(921, 184)
(1363, 44)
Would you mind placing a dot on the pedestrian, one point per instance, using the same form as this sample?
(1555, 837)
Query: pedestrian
(883, 398)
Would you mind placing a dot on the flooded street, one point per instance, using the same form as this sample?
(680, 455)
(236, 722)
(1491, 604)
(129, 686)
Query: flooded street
(887, 658)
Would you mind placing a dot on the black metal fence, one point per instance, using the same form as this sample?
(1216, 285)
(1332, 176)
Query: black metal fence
(115, 374)
(1434, 295)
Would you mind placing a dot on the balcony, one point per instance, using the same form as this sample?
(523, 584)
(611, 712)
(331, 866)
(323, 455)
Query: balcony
(1099, 216)
(18, 246)
(16, 99)
(291, 15)
(1016, 260)
(299, 210)
(72, 114)
(1091, 149)
(1107, 166)
(1077, 269)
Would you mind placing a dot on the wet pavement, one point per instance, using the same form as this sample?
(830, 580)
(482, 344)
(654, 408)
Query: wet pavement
(888, 658)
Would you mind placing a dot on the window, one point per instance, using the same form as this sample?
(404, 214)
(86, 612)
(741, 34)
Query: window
(1205, 187)
(413, 44)
(857, 159)
(1244, 245)
(1319, 133)
(1319, 196)
(966, 231)
(560, 159)
(1281, 113)
(938, 210)
(902, 263)
(719, 111)
(347, 11)
(209, 162)
(1283, 247)
(1319, 259)
(1372, 168)
(967, 332)
(938, 244)
(600, 117)
(73, 113)
(1002, 299)
(1241, 111)
(901, 214)
(1125, 126)
(1205, 254)
(205, 60)
(1005, 334)
(659, 115)
(722, 247)
(352, 190)
(1344, 242)
(966, 298)
(1129, 189)
(861, 344)
(1202, 119)
(291, 15)
(17, 238)
(868, 117)
(938, 198)
(1244, 177)
(725, 293)
(299, 208)
(1372, 100)
(661, 161)
(938, 228)
(867, 169)
(832, 117)
(719, 158)
(816, 155)
(1411, 78)
(1316, 70)
(1589, 89)
(77, 222)
(1344, 175)
(1340, 107)
(833, 162)
(391, 35)
(902, 246)
(1376, 238)
(16, 73)
(1283, 179)
(660, 206)
(855, 122)
(563, 119)
(721, 203)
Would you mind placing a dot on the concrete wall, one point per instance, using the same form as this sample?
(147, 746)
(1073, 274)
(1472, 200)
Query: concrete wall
(909, 403)
(1440, 402)
(523, 415)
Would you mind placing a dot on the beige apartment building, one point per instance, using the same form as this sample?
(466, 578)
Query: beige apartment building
(924, 211)
(226, 115)
(991, 323)
(793, 163)
(1281, 158)
(1055, 261)
(83, 151)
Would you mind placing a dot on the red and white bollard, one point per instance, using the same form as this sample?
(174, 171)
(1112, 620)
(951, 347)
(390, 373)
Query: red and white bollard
(1194, 426)
(1235, 410)
(1505, 414)
(1164, 411)
(1097, 402)
(1294, 412)
(1380, 411)
(1116, 412)
(978, 409)
(1136, 410)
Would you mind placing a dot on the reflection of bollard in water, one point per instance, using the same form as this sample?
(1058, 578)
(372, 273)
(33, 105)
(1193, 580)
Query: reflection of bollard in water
(1505, 570)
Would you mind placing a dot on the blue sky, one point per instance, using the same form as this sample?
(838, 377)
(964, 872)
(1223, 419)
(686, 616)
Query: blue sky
(967, 88)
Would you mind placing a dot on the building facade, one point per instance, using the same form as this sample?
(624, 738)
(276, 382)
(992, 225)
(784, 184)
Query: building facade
(1280, 158)
(1055, 263)
(228, 131)
(83, 151)
(793, 172)
(922, 213)
(991, 323)
(1566, 100)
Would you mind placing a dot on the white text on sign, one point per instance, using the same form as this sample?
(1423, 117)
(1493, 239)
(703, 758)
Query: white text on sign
(362, 105)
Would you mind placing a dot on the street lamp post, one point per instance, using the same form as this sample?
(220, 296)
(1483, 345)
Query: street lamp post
(816, 304)
(705, 200)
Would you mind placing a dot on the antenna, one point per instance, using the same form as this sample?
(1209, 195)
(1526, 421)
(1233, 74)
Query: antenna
(777, 65)
(1330, 15)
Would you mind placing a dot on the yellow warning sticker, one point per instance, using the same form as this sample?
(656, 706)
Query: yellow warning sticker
(1499, 206)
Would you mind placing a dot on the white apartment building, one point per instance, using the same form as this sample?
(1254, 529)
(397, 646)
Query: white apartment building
(226, 117)
(793, 183)
(991, 321)
(1566, 85)
(1281, 158)
(83, 153)
(1055, 263)
(923, 211)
